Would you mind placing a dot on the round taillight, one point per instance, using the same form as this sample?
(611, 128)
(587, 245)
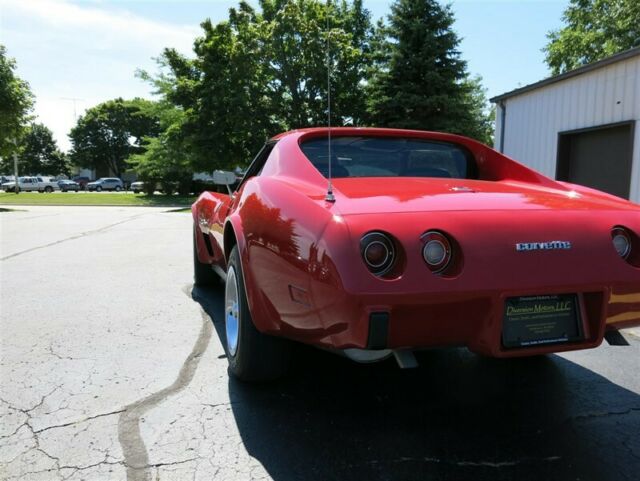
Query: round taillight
(377, 252)
(436, 251)
(621, 242)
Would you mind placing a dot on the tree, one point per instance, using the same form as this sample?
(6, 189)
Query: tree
(418, 78)
(165, 160)
(257, 74)
(39, 153)
(296, 49)
(16, 102)
(594, 29)
(480, 123)
(107, 134)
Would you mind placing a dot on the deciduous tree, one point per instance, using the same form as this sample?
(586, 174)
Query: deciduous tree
(39, 153)
(259, 73)
(165, 159)
(593, 30)
(107, 134)
(16, 102)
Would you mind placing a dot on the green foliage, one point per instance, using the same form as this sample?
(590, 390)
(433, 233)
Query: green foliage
(258, 74)
(418, 79)
(16, 102)
(296, 50)
(262, 72)
(112, 131)
(479, 124)
(594, 29)
(165, 159)
(39, 153)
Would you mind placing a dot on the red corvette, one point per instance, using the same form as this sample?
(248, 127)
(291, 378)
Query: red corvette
(421, 239)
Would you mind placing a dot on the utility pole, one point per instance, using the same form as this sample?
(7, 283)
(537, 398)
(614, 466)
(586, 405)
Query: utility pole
(15, 171)
(14, 141)
(75, 110)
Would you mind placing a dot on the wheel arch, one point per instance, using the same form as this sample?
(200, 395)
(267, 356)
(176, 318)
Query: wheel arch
(230, 239)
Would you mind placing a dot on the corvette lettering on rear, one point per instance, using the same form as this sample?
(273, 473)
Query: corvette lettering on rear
(543, 246)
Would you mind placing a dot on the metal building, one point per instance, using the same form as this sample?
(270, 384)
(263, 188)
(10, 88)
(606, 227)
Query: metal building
(580, 126)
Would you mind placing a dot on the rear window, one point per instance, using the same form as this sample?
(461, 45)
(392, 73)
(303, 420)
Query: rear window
(389, 157)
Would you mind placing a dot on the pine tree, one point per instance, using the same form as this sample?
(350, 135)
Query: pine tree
(418, 78)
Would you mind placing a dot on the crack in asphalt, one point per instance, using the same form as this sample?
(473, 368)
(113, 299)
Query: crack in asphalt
(77, 236)
(56, 426)
(136, 457)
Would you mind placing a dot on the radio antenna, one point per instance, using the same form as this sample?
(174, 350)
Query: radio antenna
(329, 197)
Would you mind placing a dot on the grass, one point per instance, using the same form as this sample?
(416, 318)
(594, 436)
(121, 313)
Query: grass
(90, 198)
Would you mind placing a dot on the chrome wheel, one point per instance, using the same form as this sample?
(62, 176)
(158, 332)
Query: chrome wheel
(232, 311)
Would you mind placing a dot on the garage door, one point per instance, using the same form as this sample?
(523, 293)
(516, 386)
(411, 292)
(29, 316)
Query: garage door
(600, 158)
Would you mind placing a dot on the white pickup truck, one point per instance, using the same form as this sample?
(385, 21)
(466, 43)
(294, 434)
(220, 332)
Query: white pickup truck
(31, 184)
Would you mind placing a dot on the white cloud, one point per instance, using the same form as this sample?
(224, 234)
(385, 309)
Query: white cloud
(116, 26)
(84, 51)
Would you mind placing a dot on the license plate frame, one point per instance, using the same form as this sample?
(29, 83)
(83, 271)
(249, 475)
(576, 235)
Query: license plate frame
(541, 320)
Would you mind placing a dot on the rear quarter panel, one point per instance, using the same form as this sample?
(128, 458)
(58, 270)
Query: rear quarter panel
(209, 213)
(286, 257)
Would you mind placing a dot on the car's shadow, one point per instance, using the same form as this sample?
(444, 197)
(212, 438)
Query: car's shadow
(458, 416)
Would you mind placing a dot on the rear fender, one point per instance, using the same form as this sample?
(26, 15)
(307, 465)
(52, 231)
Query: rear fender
(234, 235)
(208, 214)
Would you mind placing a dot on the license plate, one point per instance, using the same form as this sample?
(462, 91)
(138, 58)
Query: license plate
(541, 320)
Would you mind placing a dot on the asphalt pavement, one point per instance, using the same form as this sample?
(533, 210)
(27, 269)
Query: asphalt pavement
(112, 367)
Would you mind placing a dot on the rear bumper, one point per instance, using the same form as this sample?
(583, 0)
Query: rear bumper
(472, 319)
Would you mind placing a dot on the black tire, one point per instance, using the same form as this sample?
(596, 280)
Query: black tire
(64, 190)
(258, 357)
(203, 274)
(99, 189)
(48, 189)
(136, 191)
(118, 188)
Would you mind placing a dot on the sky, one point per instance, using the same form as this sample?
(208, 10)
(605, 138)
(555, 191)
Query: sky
(76, 54)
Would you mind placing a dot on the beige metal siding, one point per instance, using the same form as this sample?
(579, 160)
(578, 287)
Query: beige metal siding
(535, 118)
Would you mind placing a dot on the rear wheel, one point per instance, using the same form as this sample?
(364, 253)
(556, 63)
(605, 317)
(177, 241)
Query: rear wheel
(118, 188)
(203, 274)
(99, 189)
(48, 189)
(253, 356)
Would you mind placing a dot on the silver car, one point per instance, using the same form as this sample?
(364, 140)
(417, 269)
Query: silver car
(106, 183)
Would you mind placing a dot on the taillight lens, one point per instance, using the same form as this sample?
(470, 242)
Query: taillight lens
(436, 251)
(378, 252)
(621, 242)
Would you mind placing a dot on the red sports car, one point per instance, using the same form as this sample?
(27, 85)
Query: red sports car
(420, 239)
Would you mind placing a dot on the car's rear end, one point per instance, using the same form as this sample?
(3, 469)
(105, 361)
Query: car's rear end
(502, 282)
(450, 243)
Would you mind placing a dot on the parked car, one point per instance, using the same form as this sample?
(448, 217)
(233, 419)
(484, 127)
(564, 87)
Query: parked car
(419, 239)
(106, 183)
(67, 185)
(31, 184)
(83, 181)
(137, 186)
